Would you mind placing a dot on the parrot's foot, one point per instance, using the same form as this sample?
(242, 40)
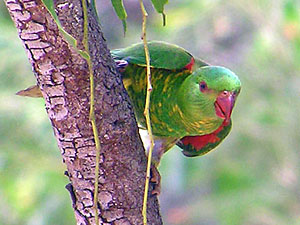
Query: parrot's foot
(155, 180)
(121, 65)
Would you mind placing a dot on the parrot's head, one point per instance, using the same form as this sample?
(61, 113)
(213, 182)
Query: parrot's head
(209, 94)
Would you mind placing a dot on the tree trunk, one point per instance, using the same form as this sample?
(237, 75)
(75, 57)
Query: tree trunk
(63, 77)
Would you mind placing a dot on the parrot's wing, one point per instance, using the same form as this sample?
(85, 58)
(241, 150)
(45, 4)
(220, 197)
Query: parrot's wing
(162, 55)
(200, 145)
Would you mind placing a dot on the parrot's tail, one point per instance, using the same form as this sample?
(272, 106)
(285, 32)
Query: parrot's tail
(33, 91)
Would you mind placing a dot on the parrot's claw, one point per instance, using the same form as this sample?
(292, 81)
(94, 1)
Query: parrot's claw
(155, 180)
(121, 65)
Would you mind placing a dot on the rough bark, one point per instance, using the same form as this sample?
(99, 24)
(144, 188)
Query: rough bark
(63, 77)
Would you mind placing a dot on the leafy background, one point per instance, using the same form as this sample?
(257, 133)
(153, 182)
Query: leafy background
(251, 179)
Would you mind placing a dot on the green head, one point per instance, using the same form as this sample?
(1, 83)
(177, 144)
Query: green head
(209, 94)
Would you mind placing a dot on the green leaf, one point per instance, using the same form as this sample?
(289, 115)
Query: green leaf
(120, 11)
(290, 11)
(159, 7)
(50, 7)
(93, 4)
(69, 38)
(124, 26)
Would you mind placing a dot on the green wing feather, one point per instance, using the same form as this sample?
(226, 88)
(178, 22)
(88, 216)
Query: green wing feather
(162, 55)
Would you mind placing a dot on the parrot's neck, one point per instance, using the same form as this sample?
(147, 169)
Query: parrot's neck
(194, 123)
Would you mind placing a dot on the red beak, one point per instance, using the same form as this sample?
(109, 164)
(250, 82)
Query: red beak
(224, 104)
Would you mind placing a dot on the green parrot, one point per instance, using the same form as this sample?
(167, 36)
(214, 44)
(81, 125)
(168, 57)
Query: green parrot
(191, 101)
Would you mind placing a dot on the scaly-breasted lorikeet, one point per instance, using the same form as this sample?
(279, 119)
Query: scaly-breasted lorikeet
(191, 101)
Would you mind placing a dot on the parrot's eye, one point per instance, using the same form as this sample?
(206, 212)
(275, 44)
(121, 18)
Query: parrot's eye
(203, 86)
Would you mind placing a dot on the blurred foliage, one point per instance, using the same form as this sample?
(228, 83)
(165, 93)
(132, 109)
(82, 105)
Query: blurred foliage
(251, 179)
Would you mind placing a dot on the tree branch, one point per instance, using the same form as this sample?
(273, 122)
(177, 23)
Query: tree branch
(63, 77)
